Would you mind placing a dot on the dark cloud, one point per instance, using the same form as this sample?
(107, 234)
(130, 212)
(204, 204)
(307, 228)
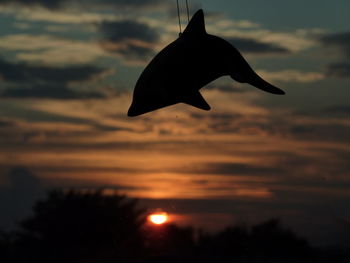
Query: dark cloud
(57, 4)
(130, 39)
(88, 169)
(307, 131)
(253, 46)
(136, 52)
(22, 112)
(338, 111)
(26, 133)
(231, 169)
(237, 123)
(19, 72)
(321, 132)
(312, 128)
(342, 157)
(217, 116)
(6, 123)
(339, 40)
(51, 4)
(50, 91)
(128, 3)
(341, 70)
(334, 111)
(30, 81)
(313, 171)
(124, 30)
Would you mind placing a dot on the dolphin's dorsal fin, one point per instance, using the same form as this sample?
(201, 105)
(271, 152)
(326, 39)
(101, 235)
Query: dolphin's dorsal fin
(196, 24)
(195, 99)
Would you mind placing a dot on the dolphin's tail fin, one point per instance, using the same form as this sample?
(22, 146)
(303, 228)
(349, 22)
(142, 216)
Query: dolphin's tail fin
(254, 79)
(259, 83)
(196, 99)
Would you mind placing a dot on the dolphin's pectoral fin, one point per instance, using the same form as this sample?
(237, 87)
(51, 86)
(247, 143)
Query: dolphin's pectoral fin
(196, 100)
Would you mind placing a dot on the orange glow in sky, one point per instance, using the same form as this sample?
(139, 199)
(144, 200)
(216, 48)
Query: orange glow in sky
(158, 218)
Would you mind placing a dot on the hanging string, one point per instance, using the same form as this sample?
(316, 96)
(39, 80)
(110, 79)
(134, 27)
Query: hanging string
(188, 12)
(178, 15)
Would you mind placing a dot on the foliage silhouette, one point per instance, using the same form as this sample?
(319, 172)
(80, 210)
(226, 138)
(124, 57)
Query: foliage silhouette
(83, 227)
(169, 242)
(100, 227)
(6, 246)
(265, 241)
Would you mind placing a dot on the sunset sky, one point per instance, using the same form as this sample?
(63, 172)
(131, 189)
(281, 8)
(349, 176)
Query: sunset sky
(67, 71)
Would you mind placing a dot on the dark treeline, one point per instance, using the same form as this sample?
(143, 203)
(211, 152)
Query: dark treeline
(93, 226)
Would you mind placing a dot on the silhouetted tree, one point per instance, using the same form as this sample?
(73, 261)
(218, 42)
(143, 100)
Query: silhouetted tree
(6, 246)
(97, 227)
(272, 240)
(262, 243)
(78, 226)
(170, 242)
(231, 243)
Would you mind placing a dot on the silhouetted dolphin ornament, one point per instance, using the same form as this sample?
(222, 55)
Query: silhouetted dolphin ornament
(186, 65)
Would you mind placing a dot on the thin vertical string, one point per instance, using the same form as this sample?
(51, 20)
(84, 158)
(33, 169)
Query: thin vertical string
(178, 15)
(188, 12)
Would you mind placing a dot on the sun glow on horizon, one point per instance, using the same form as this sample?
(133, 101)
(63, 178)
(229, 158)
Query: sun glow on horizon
(158, 218)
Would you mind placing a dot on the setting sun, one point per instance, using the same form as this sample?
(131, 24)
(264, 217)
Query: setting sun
(158, 218)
